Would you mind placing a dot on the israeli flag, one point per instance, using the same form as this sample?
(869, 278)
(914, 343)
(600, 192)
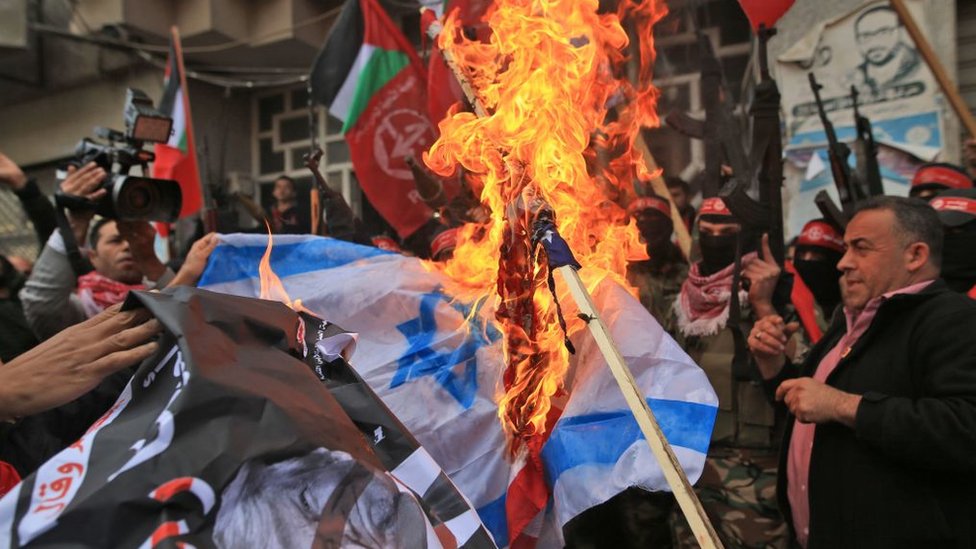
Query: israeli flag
(437, 362)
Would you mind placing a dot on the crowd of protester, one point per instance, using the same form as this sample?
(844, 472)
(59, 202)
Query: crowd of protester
(863, 342)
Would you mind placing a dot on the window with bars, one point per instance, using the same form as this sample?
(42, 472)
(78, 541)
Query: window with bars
(281, 140)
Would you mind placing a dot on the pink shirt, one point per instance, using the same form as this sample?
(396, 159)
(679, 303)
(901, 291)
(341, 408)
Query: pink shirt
(801, 441)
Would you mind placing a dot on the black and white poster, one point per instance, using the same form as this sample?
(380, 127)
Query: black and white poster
(248, 428)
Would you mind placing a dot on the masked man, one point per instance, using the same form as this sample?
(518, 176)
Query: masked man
(957, 212)
(658, 279)
(738, 485)
(816, 286)
(933, 178)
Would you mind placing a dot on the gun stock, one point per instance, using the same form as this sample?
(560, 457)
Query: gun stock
(748, 211)
(684, 124)
(831, 213)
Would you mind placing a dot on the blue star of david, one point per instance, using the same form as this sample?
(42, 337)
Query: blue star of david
(455, 368)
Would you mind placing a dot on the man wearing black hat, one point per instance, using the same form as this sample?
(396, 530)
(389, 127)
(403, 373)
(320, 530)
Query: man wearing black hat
(816, 284)
(957, 212)
(935, 177)
(880, 443)
(658, 279)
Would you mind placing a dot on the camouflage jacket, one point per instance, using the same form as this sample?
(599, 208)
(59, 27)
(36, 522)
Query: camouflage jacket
(658, 287)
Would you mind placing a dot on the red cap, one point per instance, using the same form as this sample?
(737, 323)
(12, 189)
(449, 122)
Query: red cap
(443, 242)
(714, 206)
(821, 234)
(954, 204)
(942, 175)
(384, 242)
(655, 203)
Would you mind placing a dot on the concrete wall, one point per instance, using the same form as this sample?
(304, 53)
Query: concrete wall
(941, 32)
(48, 128)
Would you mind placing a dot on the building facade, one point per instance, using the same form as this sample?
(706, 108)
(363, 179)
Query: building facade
(65, 66)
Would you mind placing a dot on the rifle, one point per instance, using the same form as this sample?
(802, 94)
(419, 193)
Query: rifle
(719, 131)
(765, 164)
(341, 222)
(711, 80)
(766, 167)
(866, 151)
(847, 187)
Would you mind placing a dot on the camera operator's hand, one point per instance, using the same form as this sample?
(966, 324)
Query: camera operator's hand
(141, 236)
(10, 174)
(196, 261)
(75, 360)
(85, 182)
(763, 273)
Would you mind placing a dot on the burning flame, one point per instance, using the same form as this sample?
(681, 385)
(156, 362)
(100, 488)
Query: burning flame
(561, 121)
(271, 286)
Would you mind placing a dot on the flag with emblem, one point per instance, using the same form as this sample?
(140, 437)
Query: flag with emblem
(436, 361)
(177, 158)
(371, 80)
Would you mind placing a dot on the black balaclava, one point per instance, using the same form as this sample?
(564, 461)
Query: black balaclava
(959, 257)
(823, 279)
(718, 252)
(656, 230)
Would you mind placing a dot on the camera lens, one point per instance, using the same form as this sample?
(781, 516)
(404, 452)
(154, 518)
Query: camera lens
(137, 199)
(145, 199)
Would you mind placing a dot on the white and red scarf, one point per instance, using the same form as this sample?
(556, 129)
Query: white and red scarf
(98, 292)
(702, 308)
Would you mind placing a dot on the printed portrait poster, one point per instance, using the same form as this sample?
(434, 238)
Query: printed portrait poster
(869, 50)
(247, 429)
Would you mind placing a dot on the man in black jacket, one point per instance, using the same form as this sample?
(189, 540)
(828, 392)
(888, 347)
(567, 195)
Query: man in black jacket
(880, 450)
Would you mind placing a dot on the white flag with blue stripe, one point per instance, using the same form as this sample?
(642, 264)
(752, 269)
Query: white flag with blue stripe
(441, 374)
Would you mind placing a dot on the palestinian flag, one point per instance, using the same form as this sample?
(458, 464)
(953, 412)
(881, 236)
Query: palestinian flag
(370, 78)
(177, 158)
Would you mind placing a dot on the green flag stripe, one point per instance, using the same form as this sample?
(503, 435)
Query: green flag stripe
(382, 66)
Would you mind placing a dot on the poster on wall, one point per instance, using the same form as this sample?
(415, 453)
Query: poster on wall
(867, 51)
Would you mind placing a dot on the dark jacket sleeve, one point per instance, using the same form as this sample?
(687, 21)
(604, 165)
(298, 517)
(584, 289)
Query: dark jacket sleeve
(39, 210)
(341, 222)
(937, 428)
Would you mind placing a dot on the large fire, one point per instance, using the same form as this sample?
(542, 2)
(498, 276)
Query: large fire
(565, 93)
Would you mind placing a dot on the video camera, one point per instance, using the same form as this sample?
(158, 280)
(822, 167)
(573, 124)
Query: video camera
(129, 197)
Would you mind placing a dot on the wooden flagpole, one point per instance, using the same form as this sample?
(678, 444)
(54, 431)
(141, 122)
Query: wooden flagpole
(661, 189)
(685, 495)
(683, 492)
(948, 88)
(209, 212)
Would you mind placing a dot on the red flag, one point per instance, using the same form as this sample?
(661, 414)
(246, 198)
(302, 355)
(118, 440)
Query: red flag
(371, 79)
(177, 158)
(802, 299)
